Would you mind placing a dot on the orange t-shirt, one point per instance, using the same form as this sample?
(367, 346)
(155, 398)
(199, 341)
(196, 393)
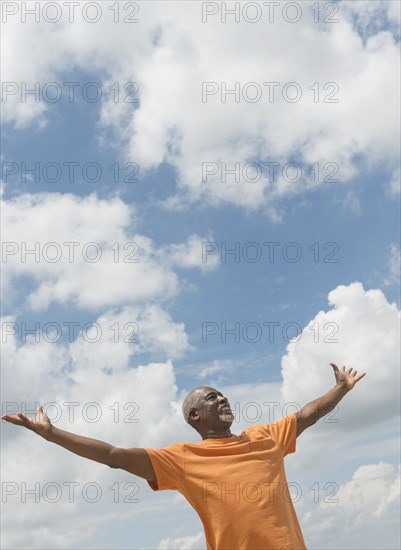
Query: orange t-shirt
(237, 485)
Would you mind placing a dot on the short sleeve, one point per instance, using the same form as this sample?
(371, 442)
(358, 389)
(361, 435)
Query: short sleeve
(168, 464)
(284, 433)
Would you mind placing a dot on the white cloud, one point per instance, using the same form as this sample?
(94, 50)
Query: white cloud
(367, 328)
(47, 537)
(173, 125)
(218, 366)
(128, 268)
(190, 254)
(89, 391)
(84, 373)
(393, 12)
(238, 132)
(368, 510)
(116, 336)
(375, 485)
(95, 389)
(183, 543)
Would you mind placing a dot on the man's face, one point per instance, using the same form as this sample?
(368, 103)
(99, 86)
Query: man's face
(213, 408)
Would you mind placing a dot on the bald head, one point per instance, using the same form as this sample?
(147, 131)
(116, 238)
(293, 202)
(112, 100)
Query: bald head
(191, 401)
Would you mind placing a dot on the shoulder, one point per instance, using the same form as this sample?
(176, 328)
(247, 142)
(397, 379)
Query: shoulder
(260, 430)
(173, 449)
(257, 431)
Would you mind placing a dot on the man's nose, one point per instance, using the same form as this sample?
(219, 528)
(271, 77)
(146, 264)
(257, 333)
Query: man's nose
(222, 399)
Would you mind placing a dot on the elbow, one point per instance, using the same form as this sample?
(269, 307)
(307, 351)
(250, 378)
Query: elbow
(304, 421)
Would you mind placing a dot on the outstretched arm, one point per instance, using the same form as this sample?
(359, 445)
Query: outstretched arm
(310, 413)
(135, 461)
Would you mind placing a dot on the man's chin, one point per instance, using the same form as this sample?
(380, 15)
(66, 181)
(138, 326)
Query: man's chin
(228, 418)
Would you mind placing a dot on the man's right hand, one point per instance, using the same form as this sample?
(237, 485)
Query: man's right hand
(39, 424)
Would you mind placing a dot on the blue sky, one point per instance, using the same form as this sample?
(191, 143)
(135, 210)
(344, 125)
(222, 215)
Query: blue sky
(272, 289)
(171, 293)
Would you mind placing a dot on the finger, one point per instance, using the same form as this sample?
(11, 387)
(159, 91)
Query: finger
(23, 418)
(334, 367)
(349, 370)
(355, 373)
(12, 419)
(360, 376)
(343, 369)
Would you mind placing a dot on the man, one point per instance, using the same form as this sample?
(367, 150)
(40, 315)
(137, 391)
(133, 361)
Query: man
(236, 483)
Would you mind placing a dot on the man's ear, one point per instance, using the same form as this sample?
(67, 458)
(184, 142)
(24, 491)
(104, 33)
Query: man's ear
(194, 415)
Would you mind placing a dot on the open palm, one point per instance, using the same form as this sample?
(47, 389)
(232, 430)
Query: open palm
(347, 378)
(40, 423)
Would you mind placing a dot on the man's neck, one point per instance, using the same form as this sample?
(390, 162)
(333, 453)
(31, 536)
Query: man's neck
(217, 435)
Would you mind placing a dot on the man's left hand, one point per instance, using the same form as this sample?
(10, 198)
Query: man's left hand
(347, 378)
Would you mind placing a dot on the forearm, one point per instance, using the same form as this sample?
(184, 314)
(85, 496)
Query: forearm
(82, 446)
(318, 408)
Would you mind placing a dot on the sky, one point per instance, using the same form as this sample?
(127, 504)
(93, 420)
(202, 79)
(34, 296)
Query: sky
(199, 193)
